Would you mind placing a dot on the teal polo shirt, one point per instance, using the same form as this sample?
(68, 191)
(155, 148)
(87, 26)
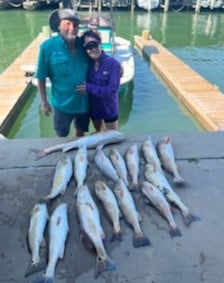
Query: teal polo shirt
(65, 70)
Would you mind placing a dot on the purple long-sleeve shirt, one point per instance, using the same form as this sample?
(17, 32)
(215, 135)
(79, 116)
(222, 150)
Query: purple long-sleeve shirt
(102, 86)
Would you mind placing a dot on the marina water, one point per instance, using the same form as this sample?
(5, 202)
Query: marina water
(147, 106)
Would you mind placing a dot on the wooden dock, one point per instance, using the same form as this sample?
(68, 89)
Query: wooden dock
(204, 100)
(14, 85)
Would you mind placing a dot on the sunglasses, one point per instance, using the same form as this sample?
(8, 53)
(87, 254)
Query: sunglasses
(91, 45)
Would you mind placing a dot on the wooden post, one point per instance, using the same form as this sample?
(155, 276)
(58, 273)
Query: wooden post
(198, 6)
(166, 6)
(99, 4)
(132, 6)
(212, 4)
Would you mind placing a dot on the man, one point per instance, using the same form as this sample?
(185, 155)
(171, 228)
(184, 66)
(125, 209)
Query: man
(63, 59)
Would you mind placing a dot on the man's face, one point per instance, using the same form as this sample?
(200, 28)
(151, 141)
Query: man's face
(68, 30)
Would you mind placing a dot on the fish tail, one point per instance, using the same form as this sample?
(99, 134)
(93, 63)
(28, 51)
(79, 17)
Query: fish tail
(189, 218)
(44, 279)
(39, 153)
(33, 268)
(175, 232)
(140, 240)
(178, 180)
(134, 186)
(103, 265)
(116, 235)
(76, 191)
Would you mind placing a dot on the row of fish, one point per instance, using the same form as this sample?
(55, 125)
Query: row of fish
(127, 168)
(124, 172)
(58, 232)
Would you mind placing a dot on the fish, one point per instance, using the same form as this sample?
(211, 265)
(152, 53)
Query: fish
(128, 208)
(91, 141)
(58, 232)
(104, 164)
(80, 166)
(62, 175)
(119, 164)
(167, 157)
(37, 226)
(150, 153)
(132, 161)
(158, 179)
(157, 198)
(109, 201)
(89, 220)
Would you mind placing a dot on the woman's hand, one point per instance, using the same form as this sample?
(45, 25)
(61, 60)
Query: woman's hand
(81, 89)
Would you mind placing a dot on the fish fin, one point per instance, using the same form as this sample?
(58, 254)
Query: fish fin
(102, 234)
(189, 218)
(76, 191)
(44, 279)
(148, 202)
(178, 180)
(46, 199)
(33, 268)
(140, 240)
(133, 187)
(167, 139)
(140, 218)
(100, 146)
(39, 153)
(103, 265)
(116, 235)
(174, 232)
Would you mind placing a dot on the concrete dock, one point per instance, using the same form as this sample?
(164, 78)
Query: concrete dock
(195, 257)
(204, 100)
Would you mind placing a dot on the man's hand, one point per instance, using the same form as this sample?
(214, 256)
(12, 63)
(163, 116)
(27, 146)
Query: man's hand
(46, 108)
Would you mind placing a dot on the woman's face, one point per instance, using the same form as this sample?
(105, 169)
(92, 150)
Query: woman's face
(93, 47)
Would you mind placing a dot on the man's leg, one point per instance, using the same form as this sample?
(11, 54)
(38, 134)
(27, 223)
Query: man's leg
(62, 122)
(81, 124)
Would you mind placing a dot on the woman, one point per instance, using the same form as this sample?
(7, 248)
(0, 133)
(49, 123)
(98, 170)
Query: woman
(102, 84)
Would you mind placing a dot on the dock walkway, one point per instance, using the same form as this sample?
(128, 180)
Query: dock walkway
(14, 83)
(204, 100)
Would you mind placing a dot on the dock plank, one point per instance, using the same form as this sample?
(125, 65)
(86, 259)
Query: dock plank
(14, 83)
(203, 99)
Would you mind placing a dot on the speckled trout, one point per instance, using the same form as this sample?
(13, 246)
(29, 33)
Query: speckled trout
(132, 161)
(80, 166)
(91, 141)
(156, 197)
(166, 155)
(128, 208)
(58, 232)
(90, 225)
(38, 221)
(150, 153)
(62, 175)
(108, 199)
(104, 164)
(119, 164)
(158, 179)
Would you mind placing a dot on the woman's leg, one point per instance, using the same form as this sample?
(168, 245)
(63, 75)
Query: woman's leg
(112, 125)
(98, 125)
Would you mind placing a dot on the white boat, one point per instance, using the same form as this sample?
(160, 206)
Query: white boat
(114, 45)
(148, 4)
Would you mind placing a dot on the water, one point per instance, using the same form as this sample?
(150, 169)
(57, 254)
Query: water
(147, 106)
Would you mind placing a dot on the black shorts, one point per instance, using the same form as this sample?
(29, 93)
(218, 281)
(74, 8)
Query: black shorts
(62, 122)
(111, 120)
